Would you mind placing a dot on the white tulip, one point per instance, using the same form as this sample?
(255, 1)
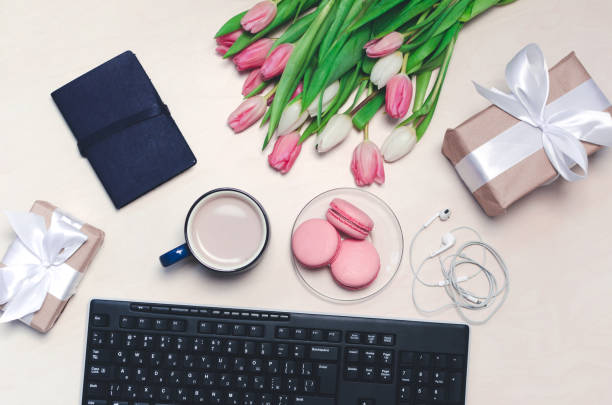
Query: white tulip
(328, 96)
(336, 130)
(385, 68)
(399, 143)
(292, 118)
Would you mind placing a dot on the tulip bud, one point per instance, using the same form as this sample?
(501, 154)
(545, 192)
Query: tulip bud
(228, 39)
(252, 81)
(385, 68)
(275, 62)
(377, 48)
(298, 90)
(254, 55)
(259, 16)
(398, 95)
(367, 164)
(247, 113)
(336, 130)
(286, 150)
(292, 118)
(328, 96)
(221, 49)
(399, 143)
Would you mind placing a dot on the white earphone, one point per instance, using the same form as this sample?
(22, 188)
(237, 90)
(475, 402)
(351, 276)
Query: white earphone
(461, 298)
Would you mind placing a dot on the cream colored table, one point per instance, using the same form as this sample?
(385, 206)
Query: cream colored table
(549, 344)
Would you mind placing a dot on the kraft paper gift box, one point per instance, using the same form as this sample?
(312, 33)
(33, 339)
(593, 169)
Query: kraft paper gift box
(498, 193)
(52, 306)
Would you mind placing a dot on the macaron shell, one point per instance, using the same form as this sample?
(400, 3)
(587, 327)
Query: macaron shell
(315, 243)
(356, 265)
(349, 219)
(345, 226)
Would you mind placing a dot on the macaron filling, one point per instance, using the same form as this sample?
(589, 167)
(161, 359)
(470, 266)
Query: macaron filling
(354, 225)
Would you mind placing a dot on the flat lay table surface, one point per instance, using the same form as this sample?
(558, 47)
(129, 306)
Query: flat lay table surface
(549, 343)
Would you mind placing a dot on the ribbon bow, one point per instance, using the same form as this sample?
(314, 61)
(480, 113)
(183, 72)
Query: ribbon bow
(35, 263)
(562, 131)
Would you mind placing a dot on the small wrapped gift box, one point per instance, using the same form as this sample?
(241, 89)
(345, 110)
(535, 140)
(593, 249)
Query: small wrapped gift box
(545, 128)
(43, 266)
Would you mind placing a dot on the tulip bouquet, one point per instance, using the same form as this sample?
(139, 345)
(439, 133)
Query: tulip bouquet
(322, 56)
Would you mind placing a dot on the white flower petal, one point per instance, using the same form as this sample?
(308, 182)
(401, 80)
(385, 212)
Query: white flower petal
(291, 119)
(328, 96)
(336, 130)
(399, 143)
(385, 68)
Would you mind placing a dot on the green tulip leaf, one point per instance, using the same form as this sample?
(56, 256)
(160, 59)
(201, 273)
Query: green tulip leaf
(233, 24)
(368, 111)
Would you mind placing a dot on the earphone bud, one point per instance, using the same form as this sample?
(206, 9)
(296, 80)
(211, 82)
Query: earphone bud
(448, 241)
(443, 215)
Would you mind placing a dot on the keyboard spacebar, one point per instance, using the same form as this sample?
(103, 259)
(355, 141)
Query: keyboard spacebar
(308, 400)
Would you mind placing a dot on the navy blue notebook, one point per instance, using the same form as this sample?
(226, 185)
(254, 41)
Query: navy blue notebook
(123, 128)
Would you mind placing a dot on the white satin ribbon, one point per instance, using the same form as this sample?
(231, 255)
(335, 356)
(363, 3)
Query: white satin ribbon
(557, 127)
(35, 263)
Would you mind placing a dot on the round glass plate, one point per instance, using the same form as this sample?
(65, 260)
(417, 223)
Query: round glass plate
(386, 236)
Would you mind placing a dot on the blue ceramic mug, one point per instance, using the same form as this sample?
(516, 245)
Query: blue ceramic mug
(226, 230)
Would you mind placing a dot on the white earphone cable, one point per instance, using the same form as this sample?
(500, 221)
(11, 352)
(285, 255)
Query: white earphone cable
(462, 298)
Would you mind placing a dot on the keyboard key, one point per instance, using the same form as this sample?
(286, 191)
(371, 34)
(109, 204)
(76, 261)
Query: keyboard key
(438, 394)
(316, 335)
(282, 332)
(369, 356)
(353, 337)
(424, 359)
(455, 361)
(143, 323)
(160, 324)
(423, 393)
(160, 309)
(205, 327)
(385, 375)
(96, 389)
(305, 369)
(308, 400)
(324, 353)
(265, 349)
(388, 340)
(222, 329)
(405, 393)
(100, 320)
(367, 402)
(282, 350)
(386, 357)
(406, 375)
(441, 360)
(289, 367)
(178, 310)
(300, 333)
(249, 349)
(423, 376)
(455, 390)
(239, 330)
(327, 374)
(126, 322)
(352, 355)
(334, 336)
(439, 377)
(256, 331)
(351, 372)
(369, 373)
(178, 325)
(371, 338)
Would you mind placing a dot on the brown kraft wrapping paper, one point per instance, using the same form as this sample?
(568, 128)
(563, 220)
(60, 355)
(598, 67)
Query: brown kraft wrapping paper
(52, 307)
(498, 194)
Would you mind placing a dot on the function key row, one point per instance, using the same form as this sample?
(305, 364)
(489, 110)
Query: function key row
(226, 329)
(211, 312)
(131, 322)
(438, 360)
(317, 335)
(370, 338)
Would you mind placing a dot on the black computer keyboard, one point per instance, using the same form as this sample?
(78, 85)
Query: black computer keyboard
(149, 354)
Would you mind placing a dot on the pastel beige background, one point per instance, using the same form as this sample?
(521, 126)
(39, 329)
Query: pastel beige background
(550, 343)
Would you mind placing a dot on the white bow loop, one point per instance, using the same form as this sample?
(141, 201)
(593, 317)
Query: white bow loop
(527, 78)
(36, 261)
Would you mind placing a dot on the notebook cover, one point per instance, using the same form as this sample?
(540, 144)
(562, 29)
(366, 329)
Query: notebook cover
(123, 128)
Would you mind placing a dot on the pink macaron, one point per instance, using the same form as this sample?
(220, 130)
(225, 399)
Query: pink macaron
(315, 243)
(349, 219)
(356, 265)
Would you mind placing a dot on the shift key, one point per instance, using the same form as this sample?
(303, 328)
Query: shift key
(324, 353)
(327, 373)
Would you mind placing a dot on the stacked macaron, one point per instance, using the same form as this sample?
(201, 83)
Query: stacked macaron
(354, 260)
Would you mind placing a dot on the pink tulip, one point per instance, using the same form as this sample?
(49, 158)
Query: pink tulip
(297, 92)
(228, 39)
(367, 165)
(222, 49)
(277, 60)
(377, 48)
(398, 95)
(247, 113)
(254, 55)
(259, 16)
(286, 150)
(252, 81)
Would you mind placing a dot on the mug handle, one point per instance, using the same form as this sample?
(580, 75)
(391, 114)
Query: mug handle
(174, 255)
